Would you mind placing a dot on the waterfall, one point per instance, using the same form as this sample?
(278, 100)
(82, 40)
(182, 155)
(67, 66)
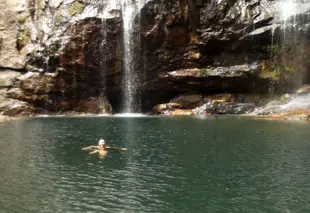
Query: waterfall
(131, 79)
(287, 9)
(293, 68)
(130, 76)
(131, 43)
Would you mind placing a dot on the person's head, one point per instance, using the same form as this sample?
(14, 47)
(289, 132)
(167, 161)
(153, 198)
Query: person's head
(101, 142)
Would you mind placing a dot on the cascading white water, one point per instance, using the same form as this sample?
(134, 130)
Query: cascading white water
(130, 11)
(287, 10)
(130, 77)
(131, 80)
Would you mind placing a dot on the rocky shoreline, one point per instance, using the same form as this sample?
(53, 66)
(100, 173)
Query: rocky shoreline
(294, 115)
(5, 118)
(295, 106)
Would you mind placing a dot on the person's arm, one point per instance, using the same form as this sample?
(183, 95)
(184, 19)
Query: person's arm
(118, 148)
(94, 152)
(90, 147)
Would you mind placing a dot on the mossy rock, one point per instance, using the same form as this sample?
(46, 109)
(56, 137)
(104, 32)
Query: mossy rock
(23, 38)
(269, 70)
(21, 19)
(76, 8)
(58, 18)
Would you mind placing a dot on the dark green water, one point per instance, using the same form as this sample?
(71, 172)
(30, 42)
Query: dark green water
(172, 165)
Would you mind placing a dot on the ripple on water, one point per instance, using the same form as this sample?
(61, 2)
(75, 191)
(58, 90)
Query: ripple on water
(172, 165)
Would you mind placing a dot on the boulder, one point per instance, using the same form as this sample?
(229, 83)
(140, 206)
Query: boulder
(8, 78)
(4, 118)
(181, 112)
(187, 101)
(303, 90)
(163, 108)
(11, 107)
(225, 108)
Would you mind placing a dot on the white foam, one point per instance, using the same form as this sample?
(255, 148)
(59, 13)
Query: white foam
(42, 116)
(302, 101)
(103, 115)
(131, 115)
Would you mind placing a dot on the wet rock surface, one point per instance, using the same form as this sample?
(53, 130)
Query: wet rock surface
(4, 118)
(294, 106)
(225, 103)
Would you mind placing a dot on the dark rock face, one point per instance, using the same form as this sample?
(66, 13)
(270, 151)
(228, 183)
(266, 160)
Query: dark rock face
(185, 34)
(204, 47)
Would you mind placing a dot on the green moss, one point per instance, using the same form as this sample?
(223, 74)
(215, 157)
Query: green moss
(58, 17)
(39, 7)
(203, 73)
(290, 68)
(222, 5)
(21, 19)
(269, 70)
(284, 99)
(23, 38)
(275, 49)
(76, 8)
(41, 35)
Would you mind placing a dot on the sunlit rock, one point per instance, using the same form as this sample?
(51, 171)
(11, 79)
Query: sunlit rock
(11, 107)
(303, 90)
(4, 118)
(225, 108)
(187, 101)
(8, 77)
(182, 112)
(166, 108)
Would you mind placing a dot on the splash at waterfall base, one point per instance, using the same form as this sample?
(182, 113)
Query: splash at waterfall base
(190, 61)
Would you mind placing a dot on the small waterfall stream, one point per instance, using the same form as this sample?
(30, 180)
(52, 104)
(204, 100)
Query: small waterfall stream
(130, 79)
(287, 10)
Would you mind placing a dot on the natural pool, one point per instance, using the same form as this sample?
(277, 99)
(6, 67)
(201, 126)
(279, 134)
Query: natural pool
(182, 164)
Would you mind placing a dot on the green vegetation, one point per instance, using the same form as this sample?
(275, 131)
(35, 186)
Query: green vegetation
(275, 49)
(58, 18)
(75, 8)
(40, 7)
(269, 70)
(203, 73)
(41, 35)
(21, 19)
(222, 5)
(284, 99)
(290, 68)
(284, 64)
(23, 38)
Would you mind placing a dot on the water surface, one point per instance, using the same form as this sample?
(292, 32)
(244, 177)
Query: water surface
(172, 165)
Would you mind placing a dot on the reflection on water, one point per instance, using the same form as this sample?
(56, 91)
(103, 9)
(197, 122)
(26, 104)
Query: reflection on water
(172, 165)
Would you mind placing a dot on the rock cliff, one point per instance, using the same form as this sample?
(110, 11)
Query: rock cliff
(60, 56)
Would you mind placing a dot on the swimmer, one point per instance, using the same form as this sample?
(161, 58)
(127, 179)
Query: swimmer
(102, 148)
